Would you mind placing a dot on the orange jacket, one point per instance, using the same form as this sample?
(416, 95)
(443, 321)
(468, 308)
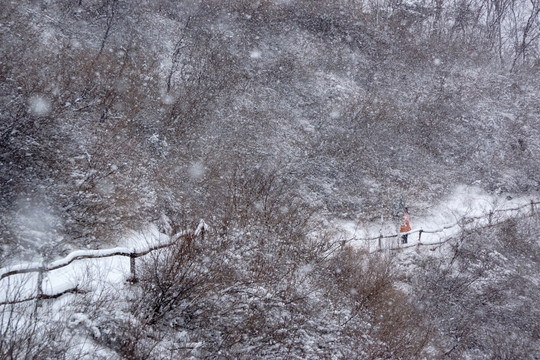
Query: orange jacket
(405, 226)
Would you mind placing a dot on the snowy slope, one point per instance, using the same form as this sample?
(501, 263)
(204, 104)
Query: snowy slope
(440, 222)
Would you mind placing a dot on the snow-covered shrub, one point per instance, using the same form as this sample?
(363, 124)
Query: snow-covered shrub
(481, 297)
(30, 332)
(367, 284)
(266, 287)
(171, 277)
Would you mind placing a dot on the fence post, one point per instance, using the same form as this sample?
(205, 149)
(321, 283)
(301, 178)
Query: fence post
(490, 217)
(380, 242)
(132, 258)
(532, 208)
(420, 237)
(39, 290)
(40, 283)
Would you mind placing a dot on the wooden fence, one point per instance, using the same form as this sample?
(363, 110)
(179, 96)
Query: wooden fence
(461, 222)
(200, 232)
(133, 254)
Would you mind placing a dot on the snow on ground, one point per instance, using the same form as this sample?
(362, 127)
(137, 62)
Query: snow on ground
(441, 221)
(95, 274)
(101, 277)
(437, 223)
(85, 275)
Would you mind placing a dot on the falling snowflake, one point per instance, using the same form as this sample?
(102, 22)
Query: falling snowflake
(255, 54)
(39, 105)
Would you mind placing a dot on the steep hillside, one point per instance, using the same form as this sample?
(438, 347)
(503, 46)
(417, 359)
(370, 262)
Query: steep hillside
(270, 120)
(113, 114)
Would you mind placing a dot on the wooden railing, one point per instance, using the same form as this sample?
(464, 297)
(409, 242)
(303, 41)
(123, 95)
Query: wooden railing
(95, 254)
(200, 232)
(461, 222)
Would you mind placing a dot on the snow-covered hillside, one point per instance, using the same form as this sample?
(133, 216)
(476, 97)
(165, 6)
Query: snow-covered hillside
(296, 130)
(91, 277)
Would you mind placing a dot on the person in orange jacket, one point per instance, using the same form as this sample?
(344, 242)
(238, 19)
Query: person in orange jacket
(405, 226)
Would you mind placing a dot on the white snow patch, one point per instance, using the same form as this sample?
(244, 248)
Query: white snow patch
(80, 319)
(167, 99)
(335, 114)
(35, 222)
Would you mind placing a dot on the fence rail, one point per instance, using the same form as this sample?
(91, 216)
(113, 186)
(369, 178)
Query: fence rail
(200, 231)
(463, 220)
(133, 254)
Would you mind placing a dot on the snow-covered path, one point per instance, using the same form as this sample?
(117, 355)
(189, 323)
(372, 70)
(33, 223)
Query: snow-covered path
(439, 222)
(435, 224)
(87, 270)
